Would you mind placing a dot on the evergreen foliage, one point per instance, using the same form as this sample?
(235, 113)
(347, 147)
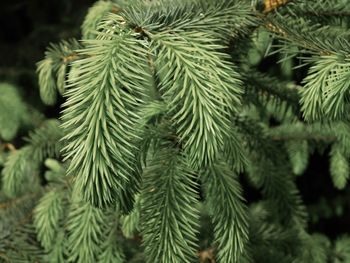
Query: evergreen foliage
(167, 119)
(52, 70)
(12, 111)
(229, 213)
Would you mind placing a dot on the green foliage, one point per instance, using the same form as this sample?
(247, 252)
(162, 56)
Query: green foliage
(56, 171)
(220, 19)
(94, 16)
(59, 249)
(168, 209)
(131, 222)
(21, 246)
(12, 111)
(200, 107)
(22, 165)
(111, 249)
(341, 250)
(325, 93)
(172, 118)
(45, 140)
(314, 249)
(322, 9)
(264, 88)
(261, 41)
(298, 155)
(270, 241)
(52, 70)
(47, 216)
(326, 89)
(229, 215)
(339, 168)
(85, 226)
(281, 189)
(18, 172)
(106, 142)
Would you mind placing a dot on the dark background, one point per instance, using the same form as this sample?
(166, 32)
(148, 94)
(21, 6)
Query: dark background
(28, 26)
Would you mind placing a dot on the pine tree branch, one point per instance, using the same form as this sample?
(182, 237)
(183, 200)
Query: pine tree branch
(12, 111)
(152, 81)
(85, 225)
(194, 100)
(168, 209)
(22, 165)
(111, 248)
(228, 212)
(320, 9)
(17, 171)
(339, 167)
(311, 38)
(259, 84)
(47, 215)
(325, 93)
(52, 69)
(95, 15)
(270, 173)
(103, 104)
(333, 132)
(221, 19)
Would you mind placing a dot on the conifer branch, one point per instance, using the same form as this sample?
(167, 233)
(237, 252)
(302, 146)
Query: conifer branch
(131, 222)
(339, 167)
(274, 182)
(168, 209)
(320, 9)
(278, 186)
(229, 215)
(17, 171)
(52, 69)
(100, 116)
(298, 155)
(200, 106)
(85, 225)
(58, 253)
(271, 85)
(330, 133)
(312, 38)
(326, 89)
(95, 15)
(47, 215)
(219, 19)
(12, 111)
(111, 249)
(22, 165)
(161, 95)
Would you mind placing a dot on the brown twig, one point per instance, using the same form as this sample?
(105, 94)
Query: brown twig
(270, 5)
(8, 146)
(205, 255)
(70, 58)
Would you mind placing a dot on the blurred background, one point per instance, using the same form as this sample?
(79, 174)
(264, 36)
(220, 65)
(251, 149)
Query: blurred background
(28, 26)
